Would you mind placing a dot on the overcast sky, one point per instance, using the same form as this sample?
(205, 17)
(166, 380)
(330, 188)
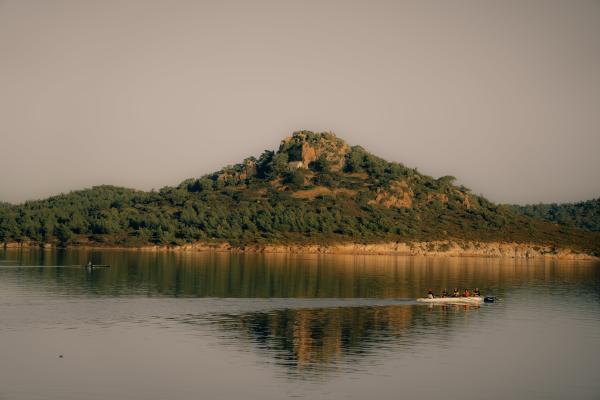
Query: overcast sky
(504, 95)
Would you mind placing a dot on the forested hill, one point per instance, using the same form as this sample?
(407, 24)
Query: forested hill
(583, 215)
(314, 189)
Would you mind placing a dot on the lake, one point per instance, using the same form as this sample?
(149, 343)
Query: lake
(252, 326)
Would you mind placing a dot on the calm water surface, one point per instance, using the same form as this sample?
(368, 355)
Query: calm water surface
(220, 326)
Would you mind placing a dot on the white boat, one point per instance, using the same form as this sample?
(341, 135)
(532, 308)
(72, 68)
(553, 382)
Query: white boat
(453, 300)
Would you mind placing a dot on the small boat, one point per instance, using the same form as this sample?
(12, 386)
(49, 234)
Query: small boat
(453, 300)
(91, 266)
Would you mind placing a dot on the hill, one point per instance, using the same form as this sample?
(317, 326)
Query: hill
(584, 215)
(315, 189)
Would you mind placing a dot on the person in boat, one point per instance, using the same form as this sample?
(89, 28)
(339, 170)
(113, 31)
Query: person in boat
(89, 265)
(466, 293)
(430, 294)
(456, 293)
(476, 292)
(445, 293)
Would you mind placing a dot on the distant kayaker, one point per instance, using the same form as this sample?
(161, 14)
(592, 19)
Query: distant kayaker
(466, 293)
(444, 293)
(89, 265)
(476, 292)
(456, 293)
(430, 294)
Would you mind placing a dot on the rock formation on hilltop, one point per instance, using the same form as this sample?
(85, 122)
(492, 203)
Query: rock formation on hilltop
(305, 148)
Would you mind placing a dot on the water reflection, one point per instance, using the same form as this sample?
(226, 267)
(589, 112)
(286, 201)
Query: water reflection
(281, 275)
(315, 342)
(329, 326)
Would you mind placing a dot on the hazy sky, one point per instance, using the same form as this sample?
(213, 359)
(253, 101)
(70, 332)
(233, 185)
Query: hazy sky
(505, 95)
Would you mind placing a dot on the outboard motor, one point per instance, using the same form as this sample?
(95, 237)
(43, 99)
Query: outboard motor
(489, 299)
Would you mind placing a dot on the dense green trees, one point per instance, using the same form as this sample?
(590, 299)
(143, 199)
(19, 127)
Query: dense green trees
(294, 178)
(256, 202)
(270, 165)
(583, 215)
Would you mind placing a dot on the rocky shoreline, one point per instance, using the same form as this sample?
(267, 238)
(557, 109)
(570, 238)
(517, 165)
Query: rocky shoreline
(447, 248)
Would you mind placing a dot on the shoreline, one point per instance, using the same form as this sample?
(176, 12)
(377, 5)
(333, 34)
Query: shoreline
(443, 248)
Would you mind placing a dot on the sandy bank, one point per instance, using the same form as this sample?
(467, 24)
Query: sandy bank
(446, 248)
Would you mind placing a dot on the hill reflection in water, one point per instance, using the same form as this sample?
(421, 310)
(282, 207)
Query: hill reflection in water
(312, 341)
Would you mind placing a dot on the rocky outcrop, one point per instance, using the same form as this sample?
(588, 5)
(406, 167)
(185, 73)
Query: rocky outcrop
(309, 154)
(399, 195)
(467, 201)
(386, 199)
(308, 147)
(441, 197)
(238, 172)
